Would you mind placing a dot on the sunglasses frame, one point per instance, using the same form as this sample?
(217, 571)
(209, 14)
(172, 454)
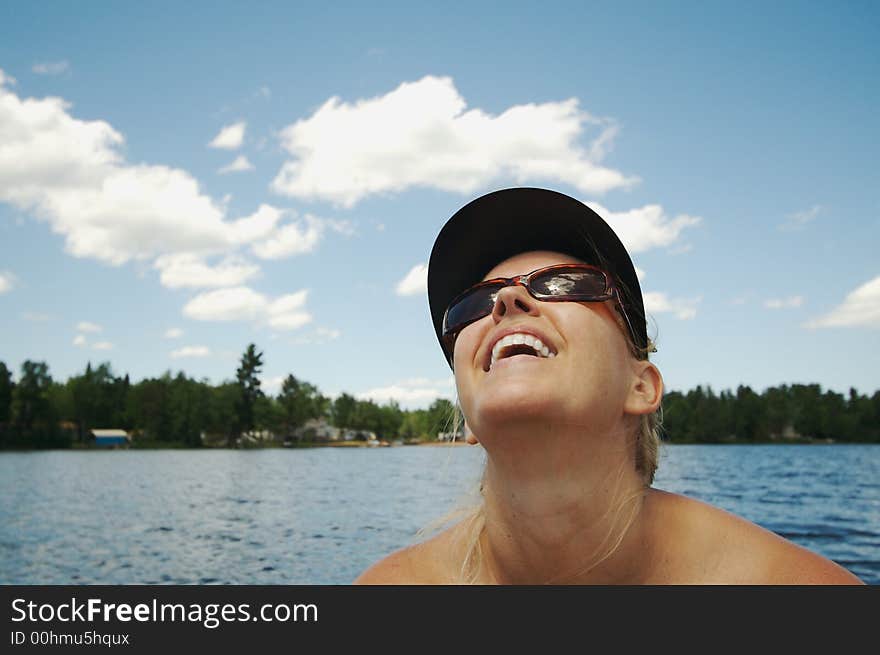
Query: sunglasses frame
(450, 334)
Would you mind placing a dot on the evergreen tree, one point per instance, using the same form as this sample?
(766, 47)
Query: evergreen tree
(5, 394)
(248, 388)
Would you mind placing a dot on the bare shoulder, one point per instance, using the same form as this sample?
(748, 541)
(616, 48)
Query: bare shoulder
(425, 563)
(722, 548)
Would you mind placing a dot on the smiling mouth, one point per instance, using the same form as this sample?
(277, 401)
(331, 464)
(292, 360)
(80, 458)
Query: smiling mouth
(519, 344)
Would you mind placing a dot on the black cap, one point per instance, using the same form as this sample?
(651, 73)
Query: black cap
(504, 223)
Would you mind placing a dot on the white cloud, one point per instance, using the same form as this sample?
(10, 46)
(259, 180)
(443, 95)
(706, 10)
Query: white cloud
(7, 281)
(784, 303)
(681, 249)
(288, 312)
(398, 393)
(79, 341)
(645, 227)
(102, 345)
(291, 239)
(860, 308)
(414, 282)
(640, 274)
(85, 326)
(230, 137)
(799, 219)
(345, 228)
(51, 67)
(320, 336)
(188, 270)
(191, 351)
(421, 134)
(258, 225)
(412, 392)
(271, 386)
(244, 304)
(173, 333)
(328, 333)
(240, 163)
(35, 317)
(70, 173)
(659, 303)
(238, 303)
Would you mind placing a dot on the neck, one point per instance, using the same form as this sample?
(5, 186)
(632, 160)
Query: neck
(563, 506)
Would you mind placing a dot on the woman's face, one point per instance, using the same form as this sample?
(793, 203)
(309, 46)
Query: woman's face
(583, 380)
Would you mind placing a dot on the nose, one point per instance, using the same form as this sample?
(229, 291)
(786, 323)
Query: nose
(513, 300)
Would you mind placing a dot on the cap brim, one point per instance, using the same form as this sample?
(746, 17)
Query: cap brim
(504, 223)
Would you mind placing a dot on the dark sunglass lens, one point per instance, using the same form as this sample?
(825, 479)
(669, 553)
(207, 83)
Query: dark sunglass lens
(473, 305)
(570, 282)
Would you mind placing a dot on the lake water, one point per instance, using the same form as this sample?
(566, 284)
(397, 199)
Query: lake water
(322, 515)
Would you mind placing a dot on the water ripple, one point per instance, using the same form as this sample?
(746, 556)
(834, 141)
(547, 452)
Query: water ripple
(321, 516)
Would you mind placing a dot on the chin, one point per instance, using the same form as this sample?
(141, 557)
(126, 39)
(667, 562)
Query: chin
(513, 402)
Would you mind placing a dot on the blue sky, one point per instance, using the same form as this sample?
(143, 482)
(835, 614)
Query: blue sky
(179, 181)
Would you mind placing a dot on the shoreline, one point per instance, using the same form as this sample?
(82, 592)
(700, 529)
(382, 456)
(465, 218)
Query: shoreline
(433, 444)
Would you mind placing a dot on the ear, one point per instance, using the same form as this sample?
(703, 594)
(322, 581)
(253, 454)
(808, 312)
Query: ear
(646, 390)
(469, 436)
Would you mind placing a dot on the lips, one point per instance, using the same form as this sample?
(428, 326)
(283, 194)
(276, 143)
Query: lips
(518, 341)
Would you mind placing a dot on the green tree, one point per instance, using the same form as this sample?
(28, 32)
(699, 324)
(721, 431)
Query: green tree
(188, 407)
(33, 420)
(414, 425)
(676, 417)
(390, 420)
(299, 402)
(98, 400)
(440, 417)
(807, 409)
(222, 418)
(866, 426)
(777, 404)
(249, 389)
(148, 406)
(6, 387)
(343, 411)
(749, 420)
(30, 402)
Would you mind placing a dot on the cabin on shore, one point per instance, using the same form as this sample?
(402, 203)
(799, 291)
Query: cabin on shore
(316, 429)
(110, 438)
(359, 435)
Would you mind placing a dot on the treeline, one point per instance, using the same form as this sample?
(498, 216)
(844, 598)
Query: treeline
(39, 412)
(799, 411)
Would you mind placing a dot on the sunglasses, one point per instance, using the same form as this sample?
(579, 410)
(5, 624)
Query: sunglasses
(558, 283)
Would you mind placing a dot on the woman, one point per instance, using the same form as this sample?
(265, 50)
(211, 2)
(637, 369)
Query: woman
(538, 309)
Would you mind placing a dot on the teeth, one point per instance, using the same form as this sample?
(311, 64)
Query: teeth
(520, 338)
